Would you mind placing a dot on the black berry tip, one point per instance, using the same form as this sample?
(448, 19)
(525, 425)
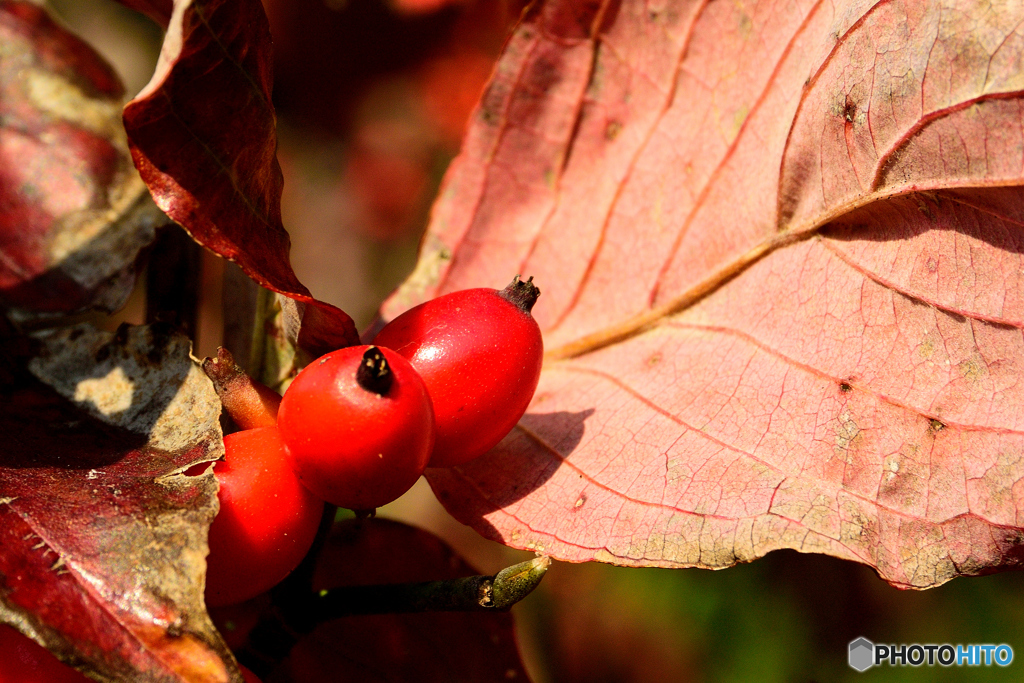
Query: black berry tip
(374, 373)
(522, 294)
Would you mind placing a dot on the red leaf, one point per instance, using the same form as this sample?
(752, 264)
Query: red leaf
(202, 134)
(427, 647)
(73, 212)
(102, 535)
(24, 661)
(780, 250)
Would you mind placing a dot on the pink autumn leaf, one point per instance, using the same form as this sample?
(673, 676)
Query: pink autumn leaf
(202, 134)
(780, 253)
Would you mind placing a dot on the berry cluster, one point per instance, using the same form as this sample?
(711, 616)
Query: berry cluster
(443, 383)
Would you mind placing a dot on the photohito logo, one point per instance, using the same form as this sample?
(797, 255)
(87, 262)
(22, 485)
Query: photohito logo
(864, 654)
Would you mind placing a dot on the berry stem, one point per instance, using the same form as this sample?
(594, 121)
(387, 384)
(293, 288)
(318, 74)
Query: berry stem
(249, 403)
(522, 294)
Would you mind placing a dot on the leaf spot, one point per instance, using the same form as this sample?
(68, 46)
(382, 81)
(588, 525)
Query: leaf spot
(972, 369)
(927, 213)
(849, 110)
(175, 629)
(845, 387)
(846, 434)
(580, 501)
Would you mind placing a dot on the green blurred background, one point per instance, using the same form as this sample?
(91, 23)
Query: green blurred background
(372, 97)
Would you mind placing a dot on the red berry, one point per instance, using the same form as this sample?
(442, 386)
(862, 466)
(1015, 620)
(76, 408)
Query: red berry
(358, 426)
(479, 351)
(267, 519)
(22, 660)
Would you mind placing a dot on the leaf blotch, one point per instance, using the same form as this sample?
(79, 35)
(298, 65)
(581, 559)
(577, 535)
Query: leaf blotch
(847, 436)
(972, 369)
(544, 75)
(849, 110)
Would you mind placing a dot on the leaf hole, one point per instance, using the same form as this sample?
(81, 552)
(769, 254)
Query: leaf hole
(199, 469)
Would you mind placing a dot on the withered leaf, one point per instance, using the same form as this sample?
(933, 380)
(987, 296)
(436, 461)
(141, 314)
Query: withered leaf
(73, 211)
(102, 533)
(202, 134)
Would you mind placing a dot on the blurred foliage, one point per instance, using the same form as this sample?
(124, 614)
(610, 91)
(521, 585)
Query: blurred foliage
(786, 617)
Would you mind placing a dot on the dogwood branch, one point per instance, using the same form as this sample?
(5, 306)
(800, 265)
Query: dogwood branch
(468, 594)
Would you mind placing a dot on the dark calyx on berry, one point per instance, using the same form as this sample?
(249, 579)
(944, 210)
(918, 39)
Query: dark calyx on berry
(374, 373)
(522, 294)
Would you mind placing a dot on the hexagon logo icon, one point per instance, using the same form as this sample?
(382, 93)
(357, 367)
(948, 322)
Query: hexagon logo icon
(862, 654)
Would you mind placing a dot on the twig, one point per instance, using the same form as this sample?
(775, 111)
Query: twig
(468, 594)
(273, 638)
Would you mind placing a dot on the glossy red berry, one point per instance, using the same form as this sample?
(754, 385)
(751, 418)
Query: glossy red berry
(358, 426)
(22, 660)
(479, 351)
(267, 519)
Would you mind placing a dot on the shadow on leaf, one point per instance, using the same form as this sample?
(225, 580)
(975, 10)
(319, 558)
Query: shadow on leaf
(545, 439)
